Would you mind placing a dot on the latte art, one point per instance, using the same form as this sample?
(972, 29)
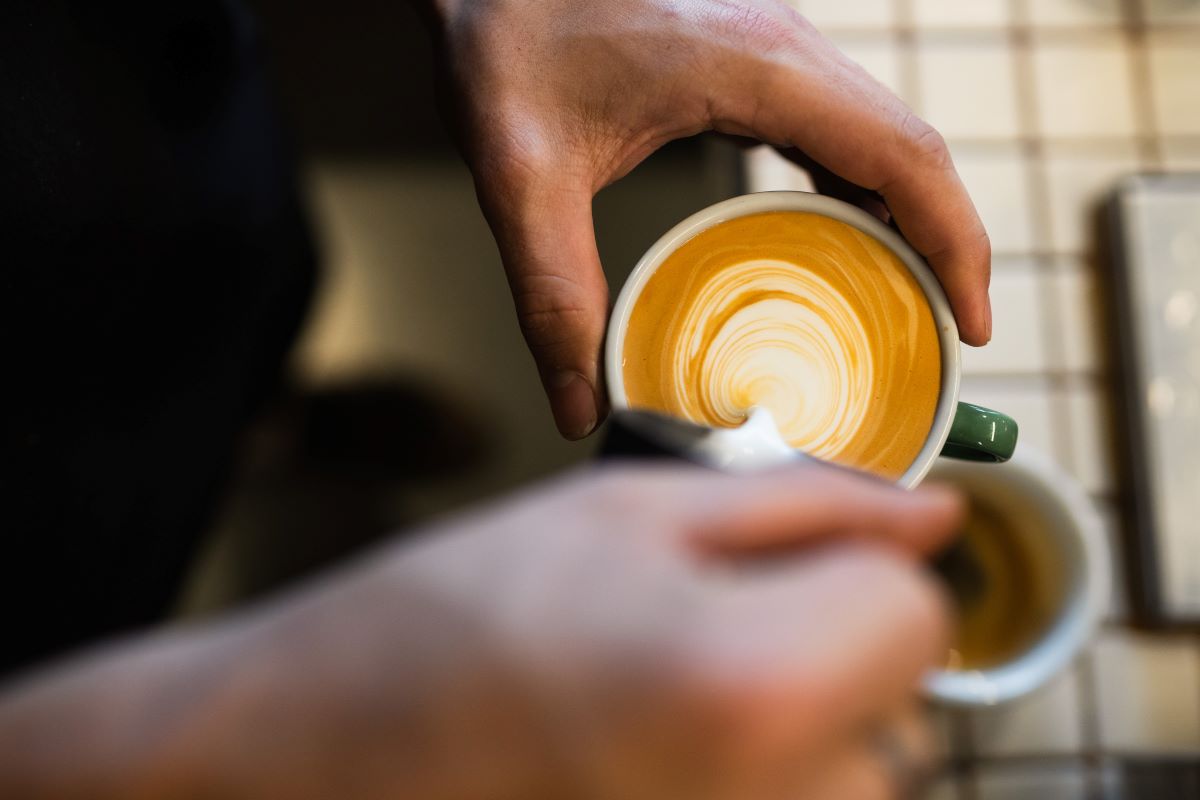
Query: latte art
(771, 333)
(801, 314)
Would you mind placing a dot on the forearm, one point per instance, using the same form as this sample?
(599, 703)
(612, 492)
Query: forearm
(256, 705)
(125, 722)
(280, 701)
(366, 685)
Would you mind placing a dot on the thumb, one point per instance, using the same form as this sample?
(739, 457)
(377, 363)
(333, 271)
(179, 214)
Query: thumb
(548, 244)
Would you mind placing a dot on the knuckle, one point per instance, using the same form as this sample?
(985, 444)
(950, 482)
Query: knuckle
(554, 311)
(980, 251)
(546, 325)
(737, 708)
(736, 718)
(765, 28)
(922, 142)
(512, 146)
(801, 22)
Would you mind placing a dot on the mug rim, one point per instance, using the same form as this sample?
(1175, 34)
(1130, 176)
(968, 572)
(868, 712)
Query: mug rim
(763, 202)
(1081, 610)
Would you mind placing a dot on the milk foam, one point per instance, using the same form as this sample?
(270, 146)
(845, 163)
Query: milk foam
(775, 334)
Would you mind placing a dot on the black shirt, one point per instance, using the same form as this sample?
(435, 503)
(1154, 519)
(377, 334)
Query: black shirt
(154, 267)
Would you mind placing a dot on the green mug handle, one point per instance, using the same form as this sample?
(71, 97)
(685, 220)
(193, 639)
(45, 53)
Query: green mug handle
(980, 434)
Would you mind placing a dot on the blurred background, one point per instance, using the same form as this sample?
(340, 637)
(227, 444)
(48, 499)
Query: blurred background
(411, 392)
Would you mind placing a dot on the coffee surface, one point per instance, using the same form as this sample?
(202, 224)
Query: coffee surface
(1018, 587)
(799, 313)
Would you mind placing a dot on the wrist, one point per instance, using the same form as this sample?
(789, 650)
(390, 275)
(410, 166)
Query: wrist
(406, 688)
(127, 723)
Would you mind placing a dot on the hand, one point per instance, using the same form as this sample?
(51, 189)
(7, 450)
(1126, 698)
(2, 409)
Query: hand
(638, 633)
(628, 632)
(554, 100)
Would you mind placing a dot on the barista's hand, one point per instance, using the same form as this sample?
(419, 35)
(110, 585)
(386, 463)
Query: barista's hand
(641, 633)
(627, 632)
(554, 100)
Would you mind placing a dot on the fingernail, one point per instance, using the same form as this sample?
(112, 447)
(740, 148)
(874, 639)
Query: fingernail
(988, 320)
(574, 404)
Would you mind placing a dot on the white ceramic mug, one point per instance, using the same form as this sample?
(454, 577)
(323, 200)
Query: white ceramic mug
(960, 430)
(1035, 495)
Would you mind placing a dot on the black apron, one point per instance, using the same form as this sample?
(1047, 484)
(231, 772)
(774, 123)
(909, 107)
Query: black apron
(154, 267)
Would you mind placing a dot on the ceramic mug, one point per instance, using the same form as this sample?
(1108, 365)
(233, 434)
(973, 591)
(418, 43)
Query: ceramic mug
(1045, 504)
(959, 430)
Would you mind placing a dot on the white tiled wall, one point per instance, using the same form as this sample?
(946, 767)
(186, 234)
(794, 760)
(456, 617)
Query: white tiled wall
(1174, 66)
(1171, 12)
(1016, 346)
(1028, 783)
(1118, 600)
(1077, 178)
(767, 170)
(954, 74)
(1182, 155)
(1073, 14)
(1049, 721)
(943, 14)
(1101, 105)
(998, 179)
(1045, 104)
(1075, 299)
(1148, 690)
(860, 14)
(1089, 418)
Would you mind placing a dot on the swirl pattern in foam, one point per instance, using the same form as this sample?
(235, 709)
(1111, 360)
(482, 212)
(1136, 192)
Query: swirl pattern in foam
(799, 313)
(773, 333)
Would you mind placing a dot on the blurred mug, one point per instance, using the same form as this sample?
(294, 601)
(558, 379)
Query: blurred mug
(1029, 578)
(811, 308)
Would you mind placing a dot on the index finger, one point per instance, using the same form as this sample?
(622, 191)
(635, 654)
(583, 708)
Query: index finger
(794, 506)
(810, 96)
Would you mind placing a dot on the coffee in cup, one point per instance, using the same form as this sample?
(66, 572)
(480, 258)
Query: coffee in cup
(1027, 582)
(801, 314)
(814, 310)
(1005, 578)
